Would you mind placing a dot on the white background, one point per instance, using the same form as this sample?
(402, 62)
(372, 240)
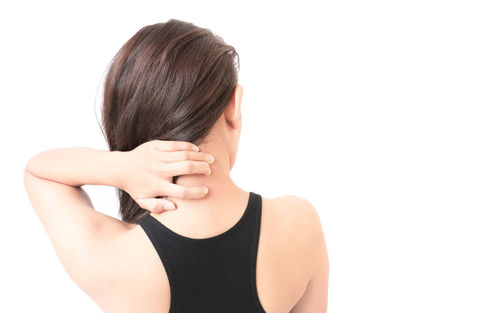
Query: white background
(383, 114)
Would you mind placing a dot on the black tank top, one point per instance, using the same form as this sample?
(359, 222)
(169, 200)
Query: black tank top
(215, 274)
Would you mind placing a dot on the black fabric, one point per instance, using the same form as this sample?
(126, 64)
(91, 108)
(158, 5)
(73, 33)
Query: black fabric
(215, 274)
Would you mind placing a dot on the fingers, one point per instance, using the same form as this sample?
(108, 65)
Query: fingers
(186, 168)
(156, 205)
(183, 158)
(185, 192)
(177, 156)
(165, 145)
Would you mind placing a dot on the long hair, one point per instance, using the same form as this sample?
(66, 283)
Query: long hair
(170, 81)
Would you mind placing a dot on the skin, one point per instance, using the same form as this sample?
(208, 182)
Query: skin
(115, 263)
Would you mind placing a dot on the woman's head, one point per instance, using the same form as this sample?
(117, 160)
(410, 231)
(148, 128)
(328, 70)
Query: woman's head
(170, 81)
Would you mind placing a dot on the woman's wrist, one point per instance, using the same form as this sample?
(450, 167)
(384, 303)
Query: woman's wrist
(115, 169)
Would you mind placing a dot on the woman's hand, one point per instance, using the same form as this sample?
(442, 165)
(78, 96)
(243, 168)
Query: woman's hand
(147, 171)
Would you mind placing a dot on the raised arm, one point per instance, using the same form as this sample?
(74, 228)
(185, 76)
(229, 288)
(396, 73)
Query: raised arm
(80, 234)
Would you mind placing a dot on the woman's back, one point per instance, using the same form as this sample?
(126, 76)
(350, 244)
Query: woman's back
(291, 262)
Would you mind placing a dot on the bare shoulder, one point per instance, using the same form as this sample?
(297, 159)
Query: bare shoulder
(294, 223)
(303, 237)
(292, 244)
(295, 213)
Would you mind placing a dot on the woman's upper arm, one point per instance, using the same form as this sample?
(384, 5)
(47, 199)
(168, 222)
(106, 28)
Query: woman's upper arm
(82, 237)
(315, 297)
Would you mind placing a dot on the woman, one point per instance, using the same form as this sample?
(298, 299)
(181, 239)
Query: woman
(172, 119)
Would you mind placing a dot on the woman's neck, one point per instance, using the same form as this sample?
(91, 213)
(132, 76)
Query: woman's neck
(221, 187)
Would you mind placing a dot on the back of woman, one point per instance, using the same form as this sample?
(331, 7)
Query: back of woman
(222, 249)
(262, 261)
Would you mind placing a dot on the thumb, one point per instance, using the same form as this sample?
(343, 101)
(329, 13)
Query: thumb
(156, 205)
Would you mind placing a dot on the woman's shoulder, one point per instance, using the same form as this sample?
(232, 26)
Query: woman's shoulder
(292, 212)
(290, 247)
(294, 219)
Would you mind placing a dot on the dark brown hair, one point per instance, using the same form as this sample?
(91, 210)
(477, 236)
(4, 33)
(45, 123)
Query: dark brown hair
(170, 81)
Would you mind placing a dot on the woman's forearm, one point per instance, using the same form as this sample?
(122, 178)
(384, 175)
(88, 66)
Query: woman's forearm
(77, 166)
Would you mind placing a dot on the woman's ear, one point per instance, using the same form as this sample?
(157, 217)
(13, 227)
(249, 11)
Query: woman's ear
(233, 110)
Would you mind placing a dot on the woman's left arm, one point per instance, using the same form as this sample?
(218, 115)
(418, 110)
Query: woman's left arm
(53, 180)
(79, 234)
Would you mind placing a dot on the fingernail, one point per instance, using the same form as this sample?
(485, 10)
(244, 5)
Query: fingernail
(205, 190)
(168, 206)
(195, 148)
(210, 158)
